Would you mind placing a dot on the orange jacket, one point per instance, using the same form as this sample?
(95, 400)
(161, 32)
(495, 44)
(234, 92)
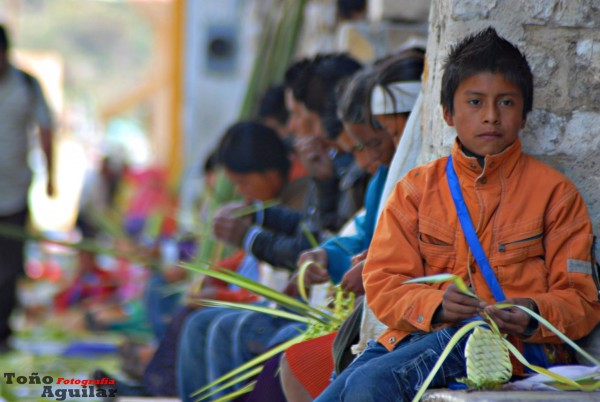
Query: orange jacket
(531, 222)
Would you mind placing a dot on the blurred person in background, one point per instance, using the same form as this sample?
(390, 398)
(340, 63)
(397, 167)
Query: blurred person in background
(22, 107)
(351, 10)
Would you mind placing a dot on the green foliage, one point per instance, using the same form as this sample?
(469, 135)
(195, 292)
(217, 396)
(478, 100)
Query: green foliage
(276, 50)
(209, 269)
(320, 321)
(99, 41)
(485, 374)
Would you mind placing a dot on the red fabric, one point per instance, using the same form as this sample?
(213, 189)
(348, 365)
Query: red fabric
(223, 292)
(297, 170)
(232, 263)
(98, 285)
(312, 362)
(239, 296)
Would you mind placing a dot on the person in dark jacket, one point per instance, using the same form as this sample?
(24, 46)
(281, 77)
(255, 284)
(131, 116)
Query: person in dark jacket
(277, 235)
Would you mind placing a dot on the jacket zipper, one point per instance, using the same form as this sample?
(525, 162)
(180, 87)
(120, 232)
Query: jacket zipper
(502, 246)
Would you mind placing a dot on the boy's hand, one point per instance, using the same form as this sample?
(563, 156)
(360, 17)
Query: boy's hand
(313, 276)
(228, 227)
(457, 306)
(514, 321)
(359, 257)
(315, 273)
(319, 258)
(352, 280)
(314, 155)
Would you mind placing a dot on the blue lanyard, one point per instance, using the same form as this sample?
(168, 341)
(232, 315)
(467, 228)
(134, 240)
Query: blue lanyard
(471, 234)
(533, 352)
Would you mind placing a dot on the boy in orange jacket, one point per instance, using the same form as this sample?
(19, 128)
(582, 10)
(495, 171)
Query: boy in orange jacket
(529, 222)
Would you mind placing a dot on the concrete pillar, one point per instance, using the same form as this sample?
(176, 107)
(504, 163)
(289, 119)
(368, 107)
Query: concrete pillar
(561, 39)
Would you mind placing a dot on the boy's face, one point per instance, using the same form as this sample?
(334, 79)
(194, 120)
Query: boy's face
(488, 113)
(261, 186)
(300, 122)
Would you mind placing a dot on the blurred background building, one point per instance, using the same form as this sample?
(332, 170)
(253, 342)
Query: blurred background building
(155, 82)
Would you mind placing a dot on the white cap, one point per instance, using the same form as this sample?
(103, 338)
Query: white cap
(397, 97)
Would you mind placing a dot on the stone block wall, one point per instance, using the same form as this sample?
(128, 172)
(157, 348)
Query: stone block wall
(561, 39)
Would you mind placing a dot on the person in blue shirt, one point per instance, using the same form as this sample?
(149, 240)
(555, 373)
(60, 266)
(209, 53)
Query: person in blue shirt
(390, 92)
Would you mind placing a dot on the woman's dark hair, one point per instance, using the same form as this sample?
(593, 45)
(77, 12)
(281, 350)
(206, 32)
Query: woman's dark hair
(353, 95)
(481, 52)
(272, 104)
(249, 147)
(404, 66)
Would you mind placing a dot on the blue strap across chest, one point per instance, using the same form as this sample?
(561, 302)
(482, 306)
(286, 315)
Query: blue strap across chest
(471, 234)
(534, 353)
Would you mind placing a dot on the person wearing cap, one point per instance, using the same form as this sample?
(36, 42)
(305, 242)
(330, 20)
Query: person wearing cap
(373, 148)
(388, 91)
(22, 107)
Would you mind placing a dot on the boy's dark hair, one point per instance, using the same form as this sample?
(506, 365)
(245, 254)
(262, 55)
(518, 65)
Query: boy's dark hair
(332, 125)
(4, 40)
(485, 51)
(293, 78)
(272, 104)
(321, 78)
(327, 72)
(211, 162)
(250, 146)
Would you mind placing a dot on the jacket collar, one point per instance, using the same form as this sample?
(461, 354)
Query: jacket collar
(503, 163)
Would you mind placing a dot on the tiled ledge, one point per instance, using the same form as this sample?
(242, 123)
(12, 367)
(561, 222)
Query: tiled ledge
(509, 396)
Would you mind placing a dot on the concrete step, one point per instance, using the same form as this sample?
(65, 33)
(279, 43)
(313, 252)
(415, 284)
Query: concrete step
(146, 399)
(509, 396)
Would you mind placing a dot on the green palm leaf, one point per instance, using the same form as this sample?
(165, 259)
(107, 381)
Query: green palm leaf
(16, 232)
(453, 341)
(560, 382)
(250, 364)
(234, 278)
(253, 208)
(551, 327)
(258, 309)
(440, 278)
(235, 394)
(240, 378)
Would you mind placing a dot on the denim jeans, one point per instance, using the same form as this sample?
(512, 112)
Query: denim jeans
(216, 341)
(160, 306)
(379, 375)
(192, 359)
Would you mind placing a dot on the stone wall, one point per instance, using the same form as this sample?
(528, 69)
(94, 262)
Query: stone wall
(561, 39)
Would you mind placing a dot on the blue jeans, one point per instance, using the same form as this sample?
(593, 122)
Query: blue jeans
(192, 359)
(379, 375)
(216, 341)
(160, 306)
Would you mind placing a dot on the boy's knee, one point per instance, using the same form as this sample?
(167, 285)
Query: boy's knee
(362, 391)
(196, 324)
